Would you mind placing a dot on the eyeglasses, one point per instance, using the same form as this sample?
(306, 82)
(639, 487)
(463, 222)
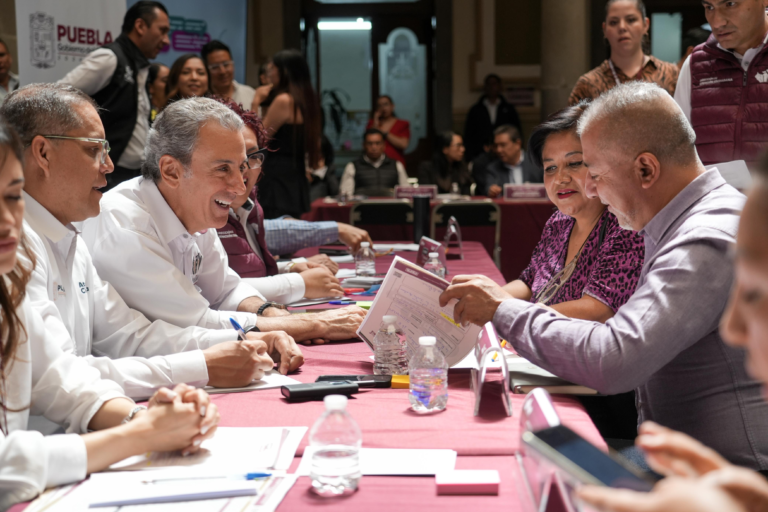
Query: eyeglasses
(256, 159)
(220, 66)
(104, 144)
(557, 281)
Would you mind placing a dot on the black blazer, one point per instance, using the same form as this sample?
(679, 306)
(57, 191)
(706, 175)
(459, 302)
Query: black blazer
(478, 128)
(498, 174)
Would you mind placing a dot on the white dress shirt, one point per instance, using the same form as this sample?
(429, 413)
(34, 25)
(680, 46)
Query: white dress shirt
(243, 94)
(90, 319)
(348, 178)
(286, 287)
(516, 171)
(492, 108)
(63, 388)
(683, 89)
(141, 247)
(92, 75)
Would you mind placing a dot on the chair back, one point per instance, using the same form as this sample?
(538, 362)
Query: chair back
(384, 219)
(484, 216)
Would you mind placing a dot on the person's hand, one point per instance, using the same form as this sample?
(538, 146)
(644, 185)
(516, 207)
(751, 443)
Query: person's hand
(319, 282)
(352, 237)
(339, 324)
(377, 119)
(494, 191)
(322, 260)
(670, 495)
(238, 363)
(748, 487)
(673, 453)
(184, 422)
(281, 347)
(478, 299)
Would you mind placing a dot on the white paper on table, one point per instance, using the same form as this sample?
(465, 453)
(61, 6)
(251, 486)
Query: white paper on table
(346, 258)
(395, 247)
(394, 461)
(344, 273)
(243, 450)
(735, 173)
(363, 281)
(411, 294)
(272, 379)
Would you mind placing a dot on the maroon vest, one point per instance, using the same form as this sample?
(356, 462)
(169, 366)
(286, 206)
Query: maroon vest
(729, 107)
(242, 259)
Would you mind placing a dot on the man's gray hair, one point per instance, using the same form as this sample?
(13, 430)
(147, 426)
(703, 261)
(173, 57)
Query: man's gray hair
(44, 109)
(641, 117)
(175, 131)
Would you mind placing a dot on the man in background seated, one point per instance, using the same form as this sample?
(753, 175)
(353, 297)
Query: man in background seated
(374, 173)
(640, 152)
(86, 315)
(512, 166)
(155, 240)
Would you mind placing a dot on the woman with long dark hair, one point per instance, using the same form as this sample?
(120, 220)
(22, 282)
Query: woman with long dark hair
(36, 375)
(188, 78)
(447, 166)
(625, 29)
(397, 132)
(293, 122)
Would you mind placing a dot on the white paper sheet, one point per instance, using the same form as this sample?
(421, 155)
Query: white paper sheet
(272, 379)
(347, 258)
(411, 294)
(345, 273)
(242, 450)
(394, 461)
(395, 247)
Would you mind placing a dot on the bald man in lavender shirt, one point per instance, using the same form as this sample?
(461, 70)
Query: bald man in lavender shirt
(664, 342)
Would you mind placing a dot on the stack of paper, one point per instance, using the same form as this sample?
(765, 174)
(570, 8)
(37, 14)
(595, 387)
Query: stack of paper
(272, 379)
(525, 376)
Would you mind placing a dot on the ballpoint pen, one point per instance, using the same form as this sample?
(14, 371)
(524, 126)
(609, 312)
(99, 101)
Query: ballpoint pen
(247, 476)
(240, 330)
(342, 302)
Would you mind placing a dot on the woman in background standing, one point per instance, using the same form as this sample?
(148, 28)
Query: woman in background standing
(397, 132)
(293, 122)
(625, 28)
(188, 78)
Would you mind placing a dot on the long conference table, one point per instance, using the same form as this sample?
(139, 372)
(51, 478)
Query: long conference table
(488, 441)
(522, 222)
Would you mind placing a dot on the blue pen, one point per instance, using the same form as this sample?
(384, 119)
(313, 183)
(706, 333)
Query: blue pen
(342, 302)
(247, 476)
(240, 330)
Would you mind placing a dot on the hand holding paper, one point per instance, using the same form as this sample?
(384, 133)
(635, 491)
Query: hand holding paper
(478, 299)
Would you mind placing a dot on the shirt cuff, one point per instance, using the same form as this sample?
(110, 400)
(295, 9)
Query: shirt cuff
(298, 288)
(215, 336)
(189, 367)
(67, 459)
(104, 398)
(329, 231)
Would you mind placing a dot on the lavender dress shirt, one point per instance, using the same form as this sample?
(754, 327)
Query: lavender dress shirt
(664, 341)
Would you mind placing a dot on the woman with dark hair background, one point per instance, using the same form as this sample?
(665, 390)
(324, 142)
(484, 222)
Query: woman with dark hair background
(397, 132)
(293, 122)
(157, 79)
(447, 166)
(188, 78)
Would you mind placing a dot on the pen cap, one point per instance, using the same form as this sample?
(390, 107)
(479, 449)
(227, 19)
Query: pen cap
(433, 255)
(335, 402)
(365, 244)
(427, 341)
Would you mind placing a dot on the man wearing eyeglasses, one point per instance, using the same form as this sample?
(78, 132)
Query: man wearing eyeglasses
(218, 58)
(155, 239)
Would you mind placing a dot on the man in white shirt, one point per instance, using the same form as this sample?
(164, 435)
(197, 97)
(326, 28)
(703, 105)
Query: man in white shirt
(218, 58)
(64, 170)
(722, 86)
(115, 76)
(155, 239)
(373, 173)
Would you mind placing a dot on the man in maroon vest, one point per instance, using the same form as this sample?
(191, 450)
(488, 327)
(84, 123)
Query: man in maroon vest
(723, 85)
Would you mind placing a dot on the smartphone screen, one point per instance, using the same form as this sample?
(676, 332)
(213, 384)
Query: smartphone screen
(588, 457)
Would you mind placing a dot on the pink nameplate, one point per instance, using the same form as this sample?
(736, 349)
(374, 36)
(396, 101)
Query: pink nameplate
(426, 246)
(468, 481)
(410, 192)
(529, 191)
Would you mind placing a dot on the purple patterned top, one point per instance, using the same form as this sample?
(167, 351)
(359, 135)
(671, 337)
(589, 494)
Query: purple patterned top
(609, 273)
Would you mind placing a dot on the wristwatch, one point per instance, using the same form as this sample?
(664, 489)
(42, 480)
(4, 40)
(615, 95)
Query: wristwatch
(269, 305)
(133, 413)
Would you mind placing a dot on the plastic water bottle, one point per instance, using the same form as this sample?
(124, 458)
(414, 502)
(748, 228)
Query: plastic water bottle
(428, 377)
(335, 439)
(434, 265)
(389, 357)
(365, 260)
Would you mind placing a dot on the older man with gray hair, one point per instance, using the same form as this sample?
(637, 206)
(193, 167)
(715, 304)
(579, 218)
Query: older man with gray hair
(664, 342)
(155, 240)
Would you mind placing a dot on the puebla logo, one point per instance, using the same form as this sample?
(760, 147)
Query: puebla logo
(41, 40)
(50, 42)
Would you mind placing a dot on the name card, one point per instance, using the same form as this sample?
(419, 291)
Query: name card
(529, 191)
(421, 190)
(487, 349)
(426, 246)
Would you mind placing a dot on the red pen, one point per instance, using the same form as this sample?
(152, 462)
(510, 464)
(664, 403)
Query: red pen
(353, 290)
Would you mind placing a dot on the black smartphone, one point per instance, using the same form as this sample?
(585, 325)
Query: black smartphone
(363, 381)
(317, 390)
(329, 251)
(584, 461)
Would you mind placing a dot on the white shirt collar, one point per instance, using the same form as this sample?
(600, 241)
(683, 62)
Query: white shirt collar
(519, 162)
(169, 227)
(43, 221)
(377, 163)
(750, 51)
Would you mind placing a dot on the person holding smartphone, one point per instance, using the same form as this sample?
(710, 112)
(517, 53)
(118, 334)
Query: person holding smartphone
(397, 132)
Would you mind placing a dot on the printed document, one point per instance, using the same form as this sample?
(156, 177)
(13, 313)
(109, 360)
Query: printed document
(272, 379)
(411, 294)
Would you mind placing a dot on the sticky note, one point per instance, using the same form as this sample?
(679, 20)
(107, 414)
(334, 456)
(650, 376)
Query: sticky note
(364, 304)
(468, 481)
(449, 319)
(401, 382)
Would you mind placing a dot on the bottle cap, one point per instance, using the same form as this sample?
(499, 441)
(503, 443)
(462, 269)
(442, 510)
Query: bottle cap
(390, 319)
(427, 341)
(365, 244)
(433, 255)
(335, 402)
